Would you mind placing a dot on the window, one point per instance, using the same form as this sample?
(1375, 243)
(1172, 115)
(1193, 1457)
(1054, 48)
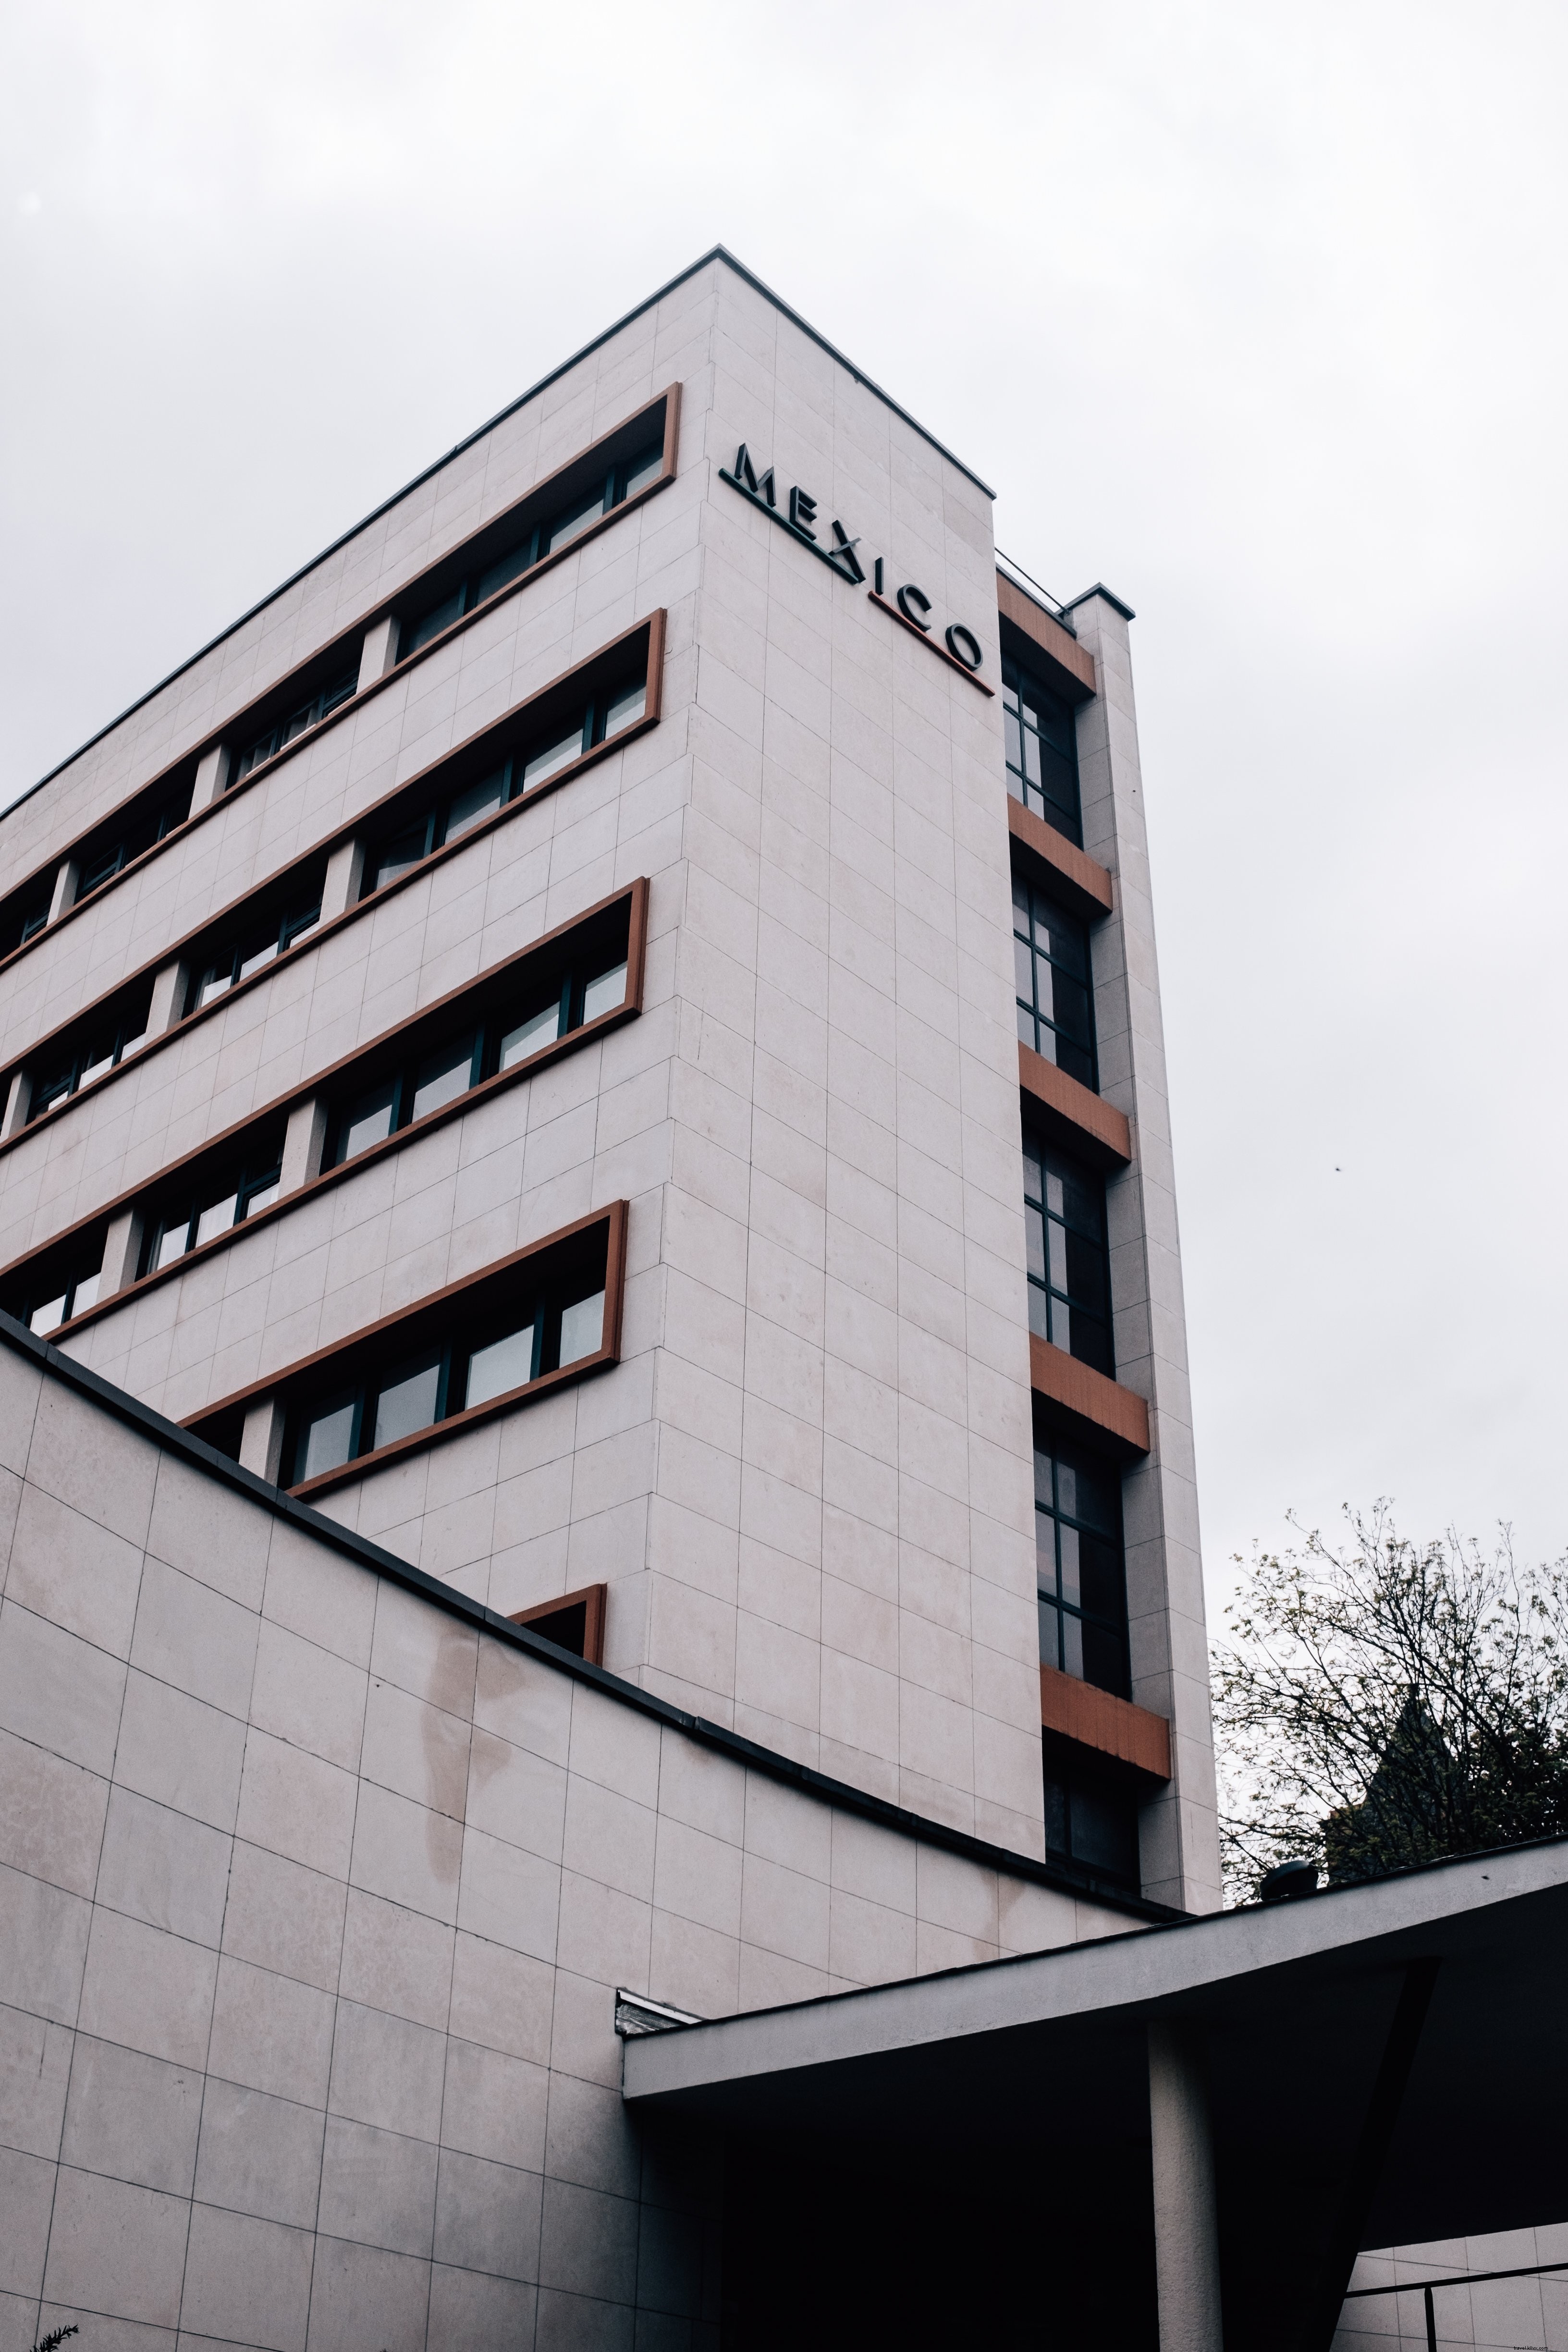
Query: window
(1042, 750)
(1064, 1222)
(509, 1036)
(488, 1356)
(306, 714)
(80, 1292)
(1052, 979)
(1091, 1823)
(88, 1055)
(252, 951)
(535, 541)
(1081, 1582)
(597, 720)
(216, 1207)
(100, 860)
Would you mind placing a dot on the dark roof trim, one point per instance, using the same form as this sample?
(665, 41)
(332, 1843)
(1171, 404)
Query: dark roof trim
(176, 1441)
(1099, 589)
(716, 253)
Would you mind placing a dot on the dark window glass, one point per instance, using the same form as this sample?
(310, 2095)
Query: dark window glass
(1052, 982)
(1079, 1579)
(565, 1324)
(556, 531)
(307, 714)
(101, 860)
(507, 1037)
(86, 1057)
(1064, 1219)
(223, 1202)
(1091, 1825)
(533, 763)
(251, 951)
(1042, 750)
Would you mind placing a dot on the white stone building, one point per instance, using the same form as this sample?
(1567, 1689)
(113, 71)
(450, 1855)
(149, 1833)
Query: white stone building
(524, 1045)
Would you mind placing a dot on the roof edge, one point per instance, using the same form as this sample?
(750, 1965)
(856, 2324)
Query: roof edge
(841, 1793)
(714, 253)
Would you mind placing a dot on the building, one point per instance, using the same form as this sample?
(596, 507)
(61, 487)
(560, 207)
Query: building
(585, 1125)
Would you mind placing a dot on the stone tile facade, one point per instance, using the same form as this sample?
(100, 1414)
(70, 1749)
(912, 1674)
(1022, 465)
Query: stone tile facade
(316, 1888)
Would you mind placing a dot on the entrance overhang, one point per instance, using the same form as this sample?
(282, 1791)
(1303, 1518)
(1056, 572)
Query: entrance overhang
(1386, 2063)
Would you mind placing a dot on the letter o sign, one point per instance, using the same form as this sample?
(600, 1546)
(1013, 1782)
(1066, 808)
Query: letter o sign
(964, 646)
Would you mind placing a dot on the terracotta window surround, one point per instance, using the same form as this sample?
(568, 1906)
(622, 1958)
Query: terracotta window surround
(1072, 1114)
(1089, 1406)
(282, 690)
(1054, 864)
(548, 949)
(1048, 648)
(420, 1325)
(474, 750)
(1109, 1726)
(590, 1598)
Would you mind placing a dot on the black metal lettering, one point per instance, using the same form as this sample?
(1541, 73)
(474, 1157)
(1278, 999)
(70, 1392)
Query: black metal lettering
(746, 474)
(909, 594)
(964, 646)
(802, 512)
(843, 553)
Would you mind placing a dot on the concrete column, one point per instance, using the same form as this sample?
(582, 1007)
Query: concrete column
(379, 652)
(212, 778)
(19, 1099)
(64, 893)
(1179, 1831)
(261, 1444)
(168, 999)
(345, 873)
(121, 1253)
(304, 1143)
(1186, 2233)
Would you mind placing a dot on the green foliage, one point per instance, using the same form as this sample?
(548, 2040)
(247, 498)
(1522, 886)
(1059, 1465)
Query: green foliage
(1388, 1702)
(52, 2343)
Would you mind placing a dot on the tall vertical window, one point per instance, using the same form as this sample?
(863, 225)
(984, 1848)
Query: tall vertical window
(1042, 750)
(1091, 1823)
(1052, 981)
(1069, 1289)
(1080, 1580)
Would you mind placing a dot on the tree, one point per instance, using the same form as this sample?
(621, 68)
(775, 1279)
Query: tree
(1389, 1702)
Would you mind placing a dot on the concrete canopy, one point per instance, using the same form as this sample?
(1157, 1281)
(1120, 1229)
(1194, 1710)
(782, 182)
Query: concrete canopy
(1387, 2063)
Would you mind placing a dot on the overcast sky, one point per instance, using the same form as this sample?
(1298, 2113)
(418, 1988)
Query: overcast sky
(1255, 313)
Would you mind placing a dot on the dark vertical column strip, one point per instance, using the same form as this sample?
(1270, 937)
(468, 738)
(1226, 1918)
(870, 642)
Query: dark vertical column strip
(1321, 2312)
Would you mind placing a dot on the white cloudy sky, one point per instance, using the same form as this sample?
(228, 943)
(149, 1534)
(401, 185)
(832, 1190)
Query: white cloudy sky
(1255, 313)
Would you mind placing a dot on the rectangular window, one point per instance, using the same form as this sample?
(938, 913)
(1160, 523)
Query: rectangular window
(263, 939)
(1091, 1823)
(1042, 750)
(1080, 1580)
(595, 718)
(76, 1294)
(89, 1052)
(226, 1197)
(537, 537)
(135, 832)
(489, 1341)
(559, 1325)
(1068, 1269)
(1053, 982)
(536, 1014)
(306, 712)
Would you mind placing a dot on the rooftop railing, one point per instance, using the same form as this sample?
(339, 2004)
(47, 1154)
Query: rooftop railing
(1036, 593)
